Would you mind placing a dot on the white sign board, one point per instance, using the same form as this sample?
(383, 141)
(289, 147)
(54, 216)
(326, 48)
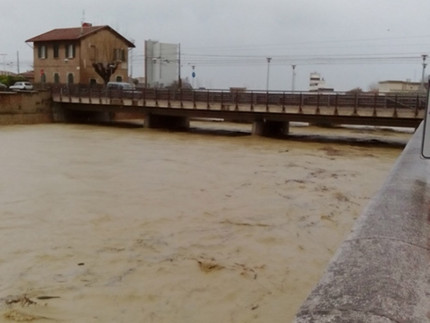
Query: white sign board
(425, 148)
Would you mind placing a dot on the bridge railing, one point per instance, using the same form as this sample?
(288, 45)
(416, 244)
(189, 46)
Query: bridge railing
(251, 98)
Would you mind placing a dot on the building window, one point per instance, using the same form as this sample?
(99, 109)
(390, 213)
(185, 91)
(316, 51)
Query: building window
(57, 78)
(70, 51)
(119, 54)
(119, 79)
(70, 78)
(43, 78)
(41, 52)
(93, 82)
(56, 51)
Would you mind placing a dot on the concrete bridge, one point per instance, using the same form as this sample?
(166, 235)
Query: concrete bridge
(270, 112)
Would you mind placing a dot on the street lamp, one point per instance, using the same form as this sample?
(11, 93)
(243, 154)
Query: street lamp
(293, 86)
(424, 68)
(268, 72)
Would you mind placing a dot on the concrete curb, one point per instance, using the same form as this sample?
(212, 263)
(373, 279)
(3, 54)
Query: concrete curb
(381, 272)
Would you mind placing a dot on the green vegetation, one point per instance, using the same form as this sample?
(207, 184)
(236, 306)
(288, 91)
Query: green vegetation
(10, 79)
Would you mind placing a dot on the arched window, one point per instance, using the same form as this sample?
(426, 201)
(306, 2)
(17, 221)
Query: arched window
(57, 78)
(70, 78)
(43, 78)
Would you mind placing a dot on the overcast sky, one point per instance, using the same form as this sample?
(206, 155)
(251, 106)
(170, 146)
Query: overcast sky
(350, 43)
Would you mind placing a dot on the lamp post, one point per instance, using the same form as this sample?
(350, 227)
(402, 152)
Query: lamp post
(293, 82)
(268, 72)
(424, 56)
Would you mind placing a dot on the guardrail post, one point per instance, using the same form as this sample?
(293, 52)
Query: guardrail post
(267, 101)
(168, 98)
(181, 97)
(144, 96)
(208, 106)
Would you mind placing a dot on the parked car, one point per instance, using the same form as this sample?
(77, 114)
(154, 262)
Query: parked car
(115, 89)
(3, 87)
(21, 86)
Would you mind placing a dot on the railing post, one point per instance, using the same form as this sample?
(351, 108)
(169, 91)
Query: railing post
(283, 101)
(181, 96)
(355, 112)
(301, 102)
(208, 106)
(222, 100)
(236, 98)
(318, 104)
(336, 104)
(252, 101)
(194, 99)
(156, 97)
(417, 105)
(168, 98)
(395, 107)
(375, 100)
(267, 100)
(144, 96)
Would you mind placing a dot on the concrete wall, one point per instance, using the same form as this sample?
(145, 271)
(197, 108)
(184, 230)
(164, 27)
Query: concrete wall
(25, 107)
(381, 272)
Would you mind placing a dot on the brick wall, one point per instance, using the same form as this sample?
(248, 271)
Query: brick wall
(25, 107)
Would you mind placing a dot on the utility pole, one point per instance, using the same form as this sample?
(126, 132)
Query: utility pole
(179, 67)
(293, 82)
(268, 72)
(424, 56)
(4, 62)
(17, 62)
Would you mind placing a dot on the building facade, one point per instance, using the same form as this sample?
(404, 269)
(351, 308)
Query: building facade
(161, 63)
(67, 55)
(317, 83)
(399, 87)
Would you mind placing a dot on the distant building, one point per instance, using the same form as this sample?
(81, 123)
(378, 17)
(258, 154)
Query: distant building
(161, 63)
(317, 83)
(399, 86)
(67, 55)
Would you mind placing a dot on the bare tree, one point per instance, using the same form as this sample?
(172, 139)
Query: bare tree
(105, 70)
(107, 56)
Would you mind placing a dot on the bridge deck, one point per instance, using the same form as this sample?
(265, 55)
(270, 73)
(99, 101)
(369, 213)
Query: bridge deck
(368, 110)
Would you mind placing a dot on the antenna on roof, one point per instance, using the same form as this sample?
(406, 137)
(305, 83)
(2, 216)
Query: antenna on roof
(82, 21)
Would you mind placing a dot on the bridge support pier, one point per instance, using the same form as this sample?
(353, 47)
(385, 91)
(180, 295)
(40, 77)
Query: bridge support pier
(169, 122)
(270, 128)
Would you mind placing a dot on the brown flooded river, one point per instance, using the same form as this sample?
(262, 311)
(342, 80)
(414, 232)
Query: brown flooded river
(106, 224)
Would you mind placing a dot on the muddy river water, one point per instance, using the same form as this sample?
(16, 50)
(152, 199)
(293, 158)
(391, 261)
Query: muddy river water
(115, 224)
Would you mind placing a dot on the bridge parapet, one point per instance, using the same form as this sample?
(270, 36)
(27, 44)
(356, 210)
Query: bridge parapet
(254, 106)
(381, 272)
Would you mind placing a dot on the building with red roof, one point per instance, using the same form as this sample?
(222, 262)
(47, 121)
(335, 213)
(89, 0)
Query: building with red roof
(73, 55)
